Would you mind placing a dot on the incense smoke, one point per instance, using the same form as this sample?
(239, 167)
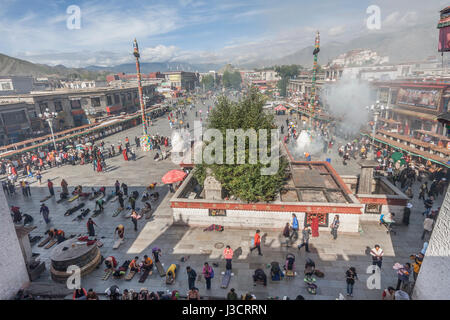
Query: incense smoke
(347, 99)
(306, 143)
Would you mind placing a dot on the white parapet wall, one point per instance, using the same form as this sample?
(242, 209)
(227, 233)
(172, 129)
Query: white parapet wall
(13, 272)
(433, 282)
(244, 219)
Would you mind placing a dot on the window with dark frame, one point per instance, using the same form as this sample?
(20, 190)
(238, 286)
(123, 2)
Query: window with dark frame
(75, 104)
(373, 208)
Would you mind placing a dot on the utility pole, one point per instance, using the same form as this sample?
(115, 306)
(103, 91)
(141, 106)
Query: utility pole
(141, 95)
(313, 80)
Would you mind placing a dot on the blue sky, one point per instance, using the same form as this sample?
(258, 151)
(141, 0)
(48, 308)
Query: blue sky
(198, 31)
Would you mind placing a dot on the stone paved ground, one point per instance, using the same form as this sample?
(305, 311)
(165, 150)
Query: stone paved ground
(332, 257)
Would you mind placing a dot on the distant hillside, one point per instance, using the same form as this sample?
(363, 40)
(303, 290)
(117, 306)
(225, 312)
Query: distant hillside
(409, 44)
(147, 67)
(10, 66)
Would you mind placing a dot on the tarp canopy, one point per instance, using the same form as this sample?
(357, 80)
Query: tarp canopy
(398, 156)
(280, 108)
(409, 152)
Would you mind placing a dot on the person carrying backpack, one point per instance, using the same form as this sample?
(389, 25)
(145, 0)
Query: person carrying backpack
(208, 273)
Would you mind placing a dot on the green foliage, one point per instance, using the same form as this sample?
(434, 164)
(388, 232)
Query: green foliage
(286, 72)
(207, 82)
(232, 80)
(243, 180)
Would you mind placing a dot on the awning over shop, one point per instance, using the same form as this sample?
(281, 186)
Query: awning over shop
(408, 151)
(415, 114)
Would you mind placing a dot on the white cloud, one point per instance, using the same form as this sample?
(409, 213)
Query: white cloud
(396, 20)
(160, 53)
(336, 31)
(185, 3)
(252, 13)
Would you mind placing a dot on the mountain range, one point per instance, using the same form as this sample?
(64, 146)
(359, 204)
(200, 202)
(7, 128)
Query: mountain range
(414, 43)
(147, 67)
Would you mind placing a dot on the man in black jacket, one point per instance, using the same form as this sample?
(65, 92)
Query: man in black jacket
(192, 275)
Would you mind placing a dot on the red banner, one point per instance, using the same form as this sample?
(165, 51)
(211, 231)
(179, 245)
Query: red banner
(444, 39)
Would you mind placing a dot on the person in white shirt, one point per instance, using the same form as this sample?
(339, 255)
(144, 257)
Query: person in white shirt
(427, 227)
(377, 256)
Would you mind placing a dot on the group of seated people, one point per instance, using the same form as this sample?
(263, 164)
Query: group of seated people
(18, 216)
(134, 266)
(54, 233)
(289, 268)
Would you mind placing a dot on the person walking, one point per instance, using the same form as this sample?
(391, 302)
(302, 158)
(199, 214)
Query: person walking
(192, 275)
(306, 232)
(377, 256)
(64, 185)
(125, 189)
(50, 187)
(45, 213)
(125, 155)
(228, 255)
(90, 227)
(427, 228)
(134, 218)
(407, 213)
(428, 205)
(294, 228)
(39, 176)
(27, 189)
(351, 277)
(120, 198)
(257, 243)
(117, 185)
(22, 187)
(132, 202)
(287, 233)
(208, 273)
(334, 226)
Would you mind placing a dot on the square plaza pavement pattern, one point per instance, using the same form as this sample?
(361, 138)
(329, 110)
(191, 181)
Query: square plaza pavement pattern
(333, 257)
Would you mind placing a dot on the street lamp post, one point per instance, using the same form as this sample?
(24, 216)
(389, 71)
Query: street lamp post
(49, 117)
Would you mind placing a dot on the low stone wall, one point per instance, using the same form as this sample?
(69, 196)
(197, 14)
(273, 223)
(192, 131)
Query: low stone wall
(245, 219)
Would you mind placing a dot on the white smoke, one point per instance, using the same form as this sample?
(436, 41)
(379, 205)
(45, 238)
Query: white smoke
(306, 142)
(347, 99)
(180, 140)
